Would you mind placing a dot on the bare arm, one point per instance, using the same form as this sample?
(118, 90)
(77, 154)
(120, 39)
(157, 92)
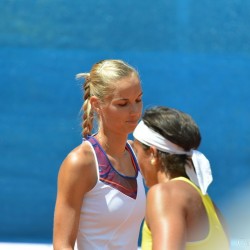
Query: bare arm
(77, 176)
(166, 218)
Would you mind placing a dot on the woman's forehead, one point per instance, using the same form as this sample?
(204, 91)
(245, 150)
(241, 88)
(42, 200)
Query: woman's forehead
(126, 87)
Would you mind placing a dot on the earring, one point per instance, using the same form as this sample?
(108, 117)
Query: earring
(152, 161)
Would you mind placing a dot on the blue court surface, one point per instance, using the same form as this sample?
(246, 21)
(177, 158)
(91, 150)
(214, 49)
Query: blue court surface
(191, 55)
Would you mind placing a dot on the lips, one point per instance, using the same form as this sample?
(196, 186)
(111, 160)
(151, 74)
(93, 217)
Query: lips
(133, 122)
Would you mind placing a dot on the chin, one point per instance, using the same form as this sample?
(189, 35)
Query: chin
(132, 127)
(129, 128)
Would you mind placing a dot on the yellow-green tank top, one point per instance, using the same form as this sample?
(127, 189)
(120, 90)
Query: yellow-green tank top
(216, 238)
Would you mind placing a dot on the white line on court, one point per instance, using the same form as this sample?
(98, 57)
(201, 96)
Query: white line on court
(26, 246)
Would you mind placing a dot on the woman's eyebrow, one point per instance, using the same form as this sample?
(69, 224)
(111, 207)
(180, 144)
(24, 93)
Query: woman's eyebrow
(125, 99)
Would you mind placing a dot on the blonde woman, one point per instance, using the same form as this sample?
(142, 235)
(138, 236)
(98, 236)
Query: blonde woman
(101, 199)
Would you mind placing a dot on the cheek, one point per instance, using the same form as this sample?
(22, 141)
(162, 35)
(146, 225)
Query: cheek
(111, 114)
(141, 156)
(144, 165)
(140, 106)
(141, 166)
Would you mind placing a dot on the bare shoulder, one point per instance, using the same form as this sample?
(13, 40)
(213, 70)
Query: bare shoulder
(157, 194)
(165, 206)
(79, 166)
(80, 156)
(176, 193)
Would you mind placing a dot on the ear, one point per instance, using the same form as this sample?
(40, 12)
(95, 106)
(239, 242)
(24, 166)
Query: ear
(153, 152)
(153, 156)
(95, 104)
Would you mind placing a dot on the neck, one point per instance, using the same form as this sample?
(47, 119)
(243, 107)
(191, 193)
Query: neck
(114, 145)
(162, 177)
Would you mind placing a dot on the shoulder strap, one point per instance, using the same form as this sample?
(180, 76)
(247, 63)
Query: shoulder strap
(92, 146)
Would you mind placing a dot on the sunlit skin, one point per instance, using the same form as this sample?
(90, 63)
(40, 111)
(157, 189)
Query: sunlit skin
(123, 107)
(144, 157)
(118, 116)
(171, 216)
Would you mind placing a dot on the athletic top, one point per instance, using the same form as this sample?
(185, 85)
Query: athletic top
(112, 212)
(216, 238)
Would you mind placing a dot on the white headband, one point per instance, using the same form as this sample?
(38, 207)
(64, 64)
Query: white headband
(202, 175)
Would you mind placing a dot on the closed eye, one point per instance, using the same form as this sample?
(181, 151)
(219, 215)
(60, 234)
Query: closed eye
(122, 104)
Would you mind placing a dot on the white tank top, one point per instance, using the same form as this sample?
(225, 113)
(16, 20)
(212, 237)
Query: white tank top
(110, 219)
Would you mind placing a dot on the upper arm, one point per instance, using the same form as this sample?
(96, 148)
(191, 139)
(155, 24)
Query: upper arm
(76, 177)
(166, 218)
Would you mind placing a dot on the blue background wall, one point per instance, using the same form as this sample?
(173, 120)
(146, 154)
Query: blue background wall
(191, 55)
